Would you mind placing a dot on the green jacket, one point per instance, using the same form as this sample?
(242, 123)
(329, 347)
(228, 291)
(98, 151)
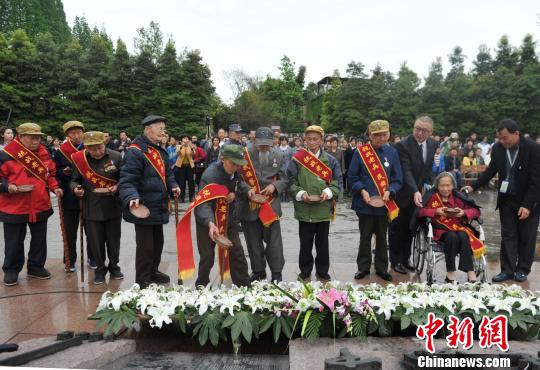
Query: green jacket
(301, 179)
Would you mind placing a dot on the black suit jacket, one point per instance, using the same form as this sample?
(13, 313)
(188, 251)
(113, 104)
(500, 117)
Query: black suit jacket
(527, 172)
(415, 171)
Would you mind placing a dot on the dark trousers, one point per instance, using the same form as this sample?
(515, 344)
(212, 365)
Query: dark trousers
(237, 259)
(149, 241)
(457, 242)
(104, 241)
(71, 223)
(518, 238)
(183, 174)
(400, 235)
(345, 183)
(369, 225)
(308, 232)
(256, 237)
(14, 235)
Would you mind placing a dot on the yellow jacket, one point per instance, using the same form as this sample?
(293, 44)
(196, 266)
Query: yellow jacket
(184, 152)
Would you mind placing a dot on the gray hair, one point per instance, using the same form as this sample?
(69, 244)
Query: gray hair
(441, 176)
(426, 119)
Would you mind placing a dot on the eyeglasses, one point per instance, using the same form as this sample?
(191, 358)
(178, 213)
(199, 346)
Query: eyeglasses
(422, 130)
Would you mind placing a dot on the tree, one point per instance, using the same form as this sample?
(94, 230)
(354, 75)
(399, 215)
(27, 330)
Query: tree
(506, 55)
(121, 97)
(169, 82)
(434, 96)
(527, 52)
(405, 99)
(150, 41)
(81, 31)
(483, 65)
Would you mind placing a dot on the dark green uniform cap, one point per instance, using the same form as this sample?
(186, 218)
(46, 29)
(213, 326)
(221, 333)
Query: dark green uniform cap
(233, 152)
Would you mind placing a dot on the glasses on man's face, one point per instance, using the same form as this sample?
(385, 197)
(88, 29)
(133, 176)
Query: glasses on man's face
(422, 130)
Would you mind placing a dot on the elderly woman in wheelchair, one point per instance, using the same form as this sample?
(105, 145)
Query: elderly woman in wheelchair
(448, 214)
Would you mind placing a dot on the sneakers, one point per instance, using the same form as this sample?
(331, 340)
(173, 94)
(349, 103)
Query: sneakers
(70, 268)
(160, 278)
(91, 264)
(39, 273)
(99, 278)
(10, 278)
(116, 274)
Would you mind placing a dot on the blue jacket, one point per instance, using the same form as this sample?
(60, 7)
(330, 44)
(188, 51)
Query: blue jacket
(139, 180)
(359, 178)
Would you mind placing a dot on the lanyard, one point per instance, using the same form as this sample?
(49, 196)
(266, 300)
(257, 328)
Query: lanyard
(511, 161)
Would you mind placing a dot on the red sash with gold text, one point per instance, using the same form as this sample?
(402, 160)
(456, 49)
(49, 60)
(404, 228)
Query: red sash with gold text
(68, 149)
(153, 156)
(266, 212)
(95, 179)
(453, 224)
(313, 165)
(378, 175)
(184, 243)
(28, 159)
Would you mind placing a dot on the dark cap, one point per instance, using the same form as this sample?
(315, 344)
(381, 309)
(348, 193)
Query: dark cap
(148, 120)
(233, 152)
(235, 127)
(264, 136)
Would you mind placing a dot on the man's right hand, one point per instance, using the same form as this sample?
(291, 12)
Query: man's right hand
(365, 195)
(467, 189)
(230, 198)
(67, 171)
(134, 203)
(212, 230)
(78, 191)
(12, 189)
(305, 197)
(417, 197)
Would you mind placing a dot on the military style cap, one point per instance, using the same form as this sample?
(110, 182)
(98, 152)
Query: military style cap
(235, 127)
(93, 138)
(233, 152)
(148, 120)
(264, 136)
(29, 129)
(315, 128)
(378, 126)
(72, 124)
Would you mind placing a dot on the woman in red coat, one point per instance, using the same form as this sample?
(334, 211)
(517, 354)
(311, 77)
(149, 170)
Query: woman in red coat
(27, 175)
(450, 212)
(200, 162)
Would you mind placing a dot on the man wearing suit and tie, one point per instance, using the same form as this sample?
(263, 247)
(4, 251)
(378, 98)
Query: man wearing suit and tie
(517, 162)
(416, 153)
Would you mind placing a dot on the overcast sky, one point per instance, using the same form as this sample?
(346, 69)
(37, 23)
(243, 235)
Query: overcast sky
(322, 35)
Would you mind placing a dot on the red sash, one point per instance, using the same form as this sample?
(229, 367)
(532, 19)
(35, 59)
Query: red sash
(68, 149)
(95, 179)
(184, 243)
(153, 156)
(28, 159)
(378, 175)
(453, 224)
(266, 213)
(313, 165)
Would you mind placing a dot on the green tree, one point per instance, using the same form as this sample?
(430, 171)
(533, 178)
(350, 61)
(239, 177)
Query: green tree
(150, 41)
(405, 98)
(121, 97)
(434, 96)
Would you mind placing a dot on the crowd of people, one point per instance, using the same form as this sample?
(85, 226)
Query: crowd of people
(235, 181)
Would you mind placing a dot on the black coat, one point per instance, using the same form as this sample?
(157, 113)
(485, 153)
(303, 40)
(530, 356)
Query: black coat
(527, 172)
(69, 200)
(415, 172)
(139, 180)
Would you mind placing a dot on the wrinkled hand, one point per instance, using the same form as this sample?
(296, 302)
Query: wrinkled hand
(134, 203)
(523, 213)
(417, 197)
(113, 188)
(365, 195)
(467, 189)
(59, 193)
(230, 198)
(324, 196)
(305, 197)
(251, 193)
(269, 190)
(176, 192)
(386, 195)
(78, 191)
(13, 189)
(441, 212)
(460, 214)
(212, 230)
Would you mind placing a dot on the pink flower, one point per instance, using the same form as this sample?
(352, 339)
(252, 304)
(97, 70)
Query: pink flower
(330, 297)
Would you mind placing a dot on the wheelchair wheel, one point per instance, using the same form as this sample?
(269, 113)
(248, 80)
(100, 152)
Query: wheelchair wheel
(419, 250)
(430, 265)
(480, 268)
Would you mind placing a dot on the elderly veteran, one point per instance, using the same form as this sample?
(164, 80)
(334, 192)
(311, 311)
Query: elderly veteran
(26, 178)
(374, 172)
(315, 182)
(95, 180)
(146, 179)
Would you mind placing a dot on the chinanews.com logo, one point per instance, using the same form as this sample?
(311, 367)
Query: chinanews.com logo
(491, 332)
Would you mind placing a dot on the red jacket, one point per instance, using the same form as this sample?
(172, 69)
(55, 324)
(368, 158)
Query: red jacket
(26, 207)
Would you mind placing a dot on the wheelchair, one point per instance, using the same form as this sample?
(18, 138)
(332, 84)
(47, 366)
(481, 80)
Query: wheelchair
(427, 252)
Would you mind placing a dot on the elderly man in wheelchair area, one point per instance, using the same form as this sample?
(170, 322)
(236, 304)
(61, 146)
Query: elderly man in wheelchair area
(451, 213)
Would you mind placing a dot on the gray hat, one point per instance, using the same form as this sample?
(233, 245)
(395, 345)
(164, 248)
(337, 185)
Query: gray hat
(235, 127)
(264, 136)
(148, 120)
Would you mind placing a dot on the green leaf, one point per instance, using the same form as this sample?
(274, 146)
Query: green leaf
(277, 330)
(286, 326)
(314, 324)
(266, 323)
(209, 326)
(229, 320)
(405, 322)
(306, 320)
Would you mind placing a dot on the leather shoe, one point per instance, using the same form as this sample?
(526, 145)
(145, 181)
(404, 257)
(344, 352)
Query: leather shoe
(160, 278)
(384, 275)
(305, 277)
(276, 277)
(361, 274)
(409, 266)
(323, 277)
(257, 276)
(399, 268)
(501, 277)
(520, 277)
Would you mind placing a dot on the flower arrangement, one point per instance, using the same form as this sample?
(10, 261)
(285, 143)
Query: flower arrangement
(312, 310)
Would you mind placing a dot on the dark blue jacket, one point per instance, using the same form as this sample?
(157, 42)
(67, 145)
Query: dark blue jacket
(69, 200)
(359, 178)
(139, 180)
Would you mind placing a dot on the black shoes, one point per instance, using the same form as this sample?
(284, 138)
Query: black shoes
(449, 281)
(276, 277)
(39, 273)
(116, 274)
(257, 276)
(399, 268)
(408, 266)
(305, 277)
(361, 274)
(501, 277)
(520, 277)
(384, 275)
(99, 278)
(323, 277)
(10, 278)
(160, 278)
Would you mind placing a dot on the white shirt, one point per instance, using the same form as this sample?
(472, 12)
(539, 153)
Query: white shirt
(301, 193)
(423, 146)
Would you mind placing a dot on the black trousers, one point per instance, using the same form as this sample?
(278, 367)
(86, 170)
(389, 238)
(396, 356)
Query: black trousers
(14, 235)
(104, 241)
(308, 232)
(237, 259)
(369, 225)
(183, 174)
(400, 235)
(256, 237)
(518, 238)
(71, 223)
(149, 245)
(457, 242)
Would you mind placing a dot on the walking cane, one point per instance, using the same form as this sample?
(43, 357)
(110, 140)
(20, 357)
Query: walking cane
(226, 250)
(81, 226)
(180, 282)
(67, 261)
